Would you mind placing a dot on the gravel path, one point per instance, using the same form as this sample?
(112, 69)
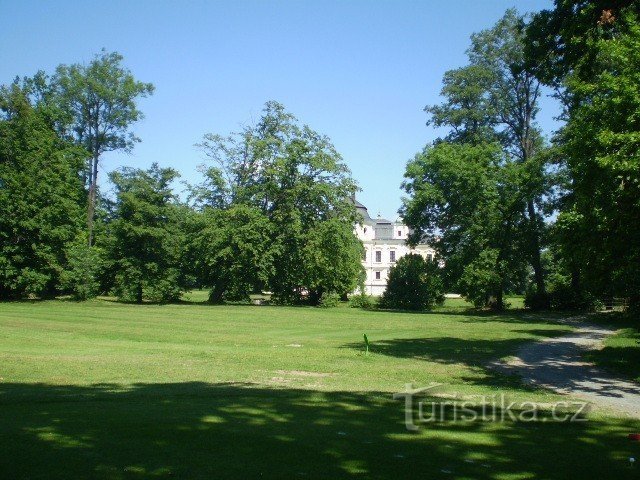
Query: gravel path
(557, 363)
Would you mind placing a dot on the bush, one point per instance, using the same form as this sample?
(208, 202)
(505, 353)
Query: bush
(565, 298)
(362, 300)
(414, 284)
(166, 289)
(329, 300)
(536, 301)
(83, 269)
(561, 296)
(480, 280)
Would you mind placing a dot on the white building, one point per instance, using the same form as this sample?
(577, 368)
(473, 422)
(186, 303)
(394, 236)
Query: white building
(384, 242)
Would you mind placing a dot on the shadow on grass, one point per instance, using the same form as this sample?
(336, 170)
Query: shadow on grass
(446, 350)
(621, 355)
(199, 430)
(472, 315)
(472, 352)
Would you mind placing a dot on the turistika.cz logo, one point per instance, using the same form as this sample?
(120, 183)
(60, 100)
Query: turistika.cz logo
(432, 404)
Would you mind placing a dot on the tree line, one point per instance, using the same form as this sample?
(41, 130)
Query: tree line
(509, 210)
(274, 211)
(506, 208)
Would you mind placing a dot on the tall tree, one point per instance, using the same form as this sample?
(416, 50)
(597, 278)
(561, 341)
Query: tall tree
(41, 197)
(229, 251)
(148, 244)
(464, 199)
(99, 101)
(495, 98)
(297, 179)
(593, 60)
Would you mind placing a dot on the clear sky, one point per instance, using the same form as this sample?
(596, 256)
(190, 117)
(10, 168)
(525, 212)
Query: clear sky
(358, 71)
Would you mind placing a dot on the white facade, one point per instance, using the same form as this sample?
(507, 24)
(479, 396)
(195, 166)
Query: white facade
(384, 242)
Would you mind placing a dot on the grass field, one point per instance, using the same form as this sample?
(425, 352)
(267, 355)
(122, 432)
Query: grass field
(107, 390)
(621, 352)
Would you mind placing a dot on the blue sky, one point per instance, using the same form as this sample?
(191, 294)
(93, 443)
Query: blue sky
(358, 71)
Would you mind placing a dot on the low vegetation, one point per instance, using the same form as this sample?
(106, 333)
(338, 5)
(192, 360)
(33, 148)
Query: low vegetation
(114, 391)
(620, 353)
(413, 284)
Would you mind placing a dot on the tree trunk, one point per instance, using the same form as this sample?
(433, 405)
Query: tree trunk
(634, 303)
(576, 286)
(499, 306)
(91, 208)
(139, 293)
(536, 261)
(216, 294)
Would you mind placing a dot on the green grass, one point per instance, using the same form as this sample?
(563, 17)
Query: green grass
(621, 351)
(107, 390)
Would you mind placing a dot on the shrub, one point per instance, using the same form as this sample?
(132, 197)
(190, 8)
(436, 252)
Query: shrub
(561, 296)
(413, 284)
(329, 300)
(536, 301)
(362, 300)
(566, 298)
(481, 280)
(84, 266)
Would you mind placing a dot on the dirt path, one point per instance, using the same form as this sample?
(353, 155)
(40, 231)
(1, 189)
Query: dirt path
(557, 363)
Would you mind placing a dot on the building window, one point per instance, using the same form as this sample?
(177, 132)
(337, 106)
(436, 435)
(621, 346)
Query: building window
(364, 254)
(429, 257)
(378, 256)
(392, 256)
(377, 275)
(399, 233)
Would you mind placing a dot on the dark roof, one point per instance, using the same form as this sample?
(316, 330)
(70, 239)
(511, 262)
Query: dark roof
(362, 210)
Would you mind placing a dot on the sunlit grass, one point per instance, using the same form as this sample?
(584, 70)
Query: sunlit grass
(108, 390)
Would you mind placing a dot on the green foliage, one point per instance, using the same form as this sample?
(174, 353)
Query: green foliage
(81, 276)
(595, 64)
(41, 197)
(481, 279)
(465, 200)
(559, 39)
(535, 300)
(366, 344)
(468, 110)
(561, 292)
(99, 100)
(329, 300)
(413, 284)
(332, 258)
(97, 105)
(364, 301)
(230, 251)
(297, 181)
(148, 243)
(484, 187)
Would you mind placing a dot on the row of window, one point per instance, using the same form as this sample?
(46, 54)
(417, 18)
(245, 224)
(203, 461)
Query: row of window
(392, 256)
(399, 231)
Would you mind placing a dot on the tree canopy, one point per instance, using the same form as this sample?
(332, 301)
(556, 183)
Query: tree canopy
(297, 181)
(479, 192)
(41, 196)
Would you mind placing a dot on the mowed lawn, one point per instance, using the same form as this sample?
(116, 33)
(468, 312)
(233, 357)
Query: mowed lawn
(108, 390)
(621, 351)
